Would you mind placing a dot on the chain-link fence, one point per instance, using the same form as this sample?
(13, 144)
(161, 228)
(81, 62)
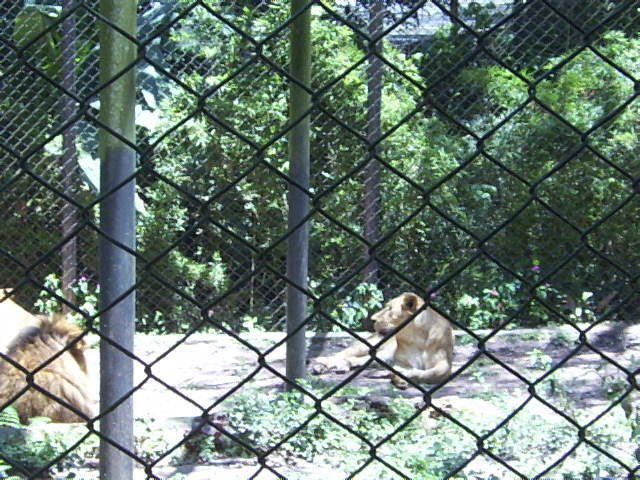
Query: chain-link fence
(484, 155)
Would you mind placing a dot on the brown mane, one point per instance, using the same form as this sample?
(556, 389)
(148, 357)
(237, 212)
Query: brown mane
(64, 379)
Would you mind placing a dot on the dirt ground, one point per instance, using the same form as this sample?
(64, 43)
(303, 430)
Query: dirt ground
(188, 375)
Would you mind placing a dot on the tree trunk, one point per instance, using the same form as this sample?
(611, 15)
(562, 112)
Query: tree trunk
(455, 7)
(68, 160)
(372, 170)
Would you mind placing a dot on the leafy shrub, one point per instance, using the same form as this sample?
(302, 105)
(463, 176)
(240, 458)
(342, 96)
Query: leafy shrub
(427, 448)
(365, 300)
(8, 418)
(86, 292)
(497, 306)
(36, 448)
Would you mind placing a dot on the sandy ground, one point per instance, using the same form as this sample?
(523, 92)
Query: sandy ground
(192, 374)
(178, 378)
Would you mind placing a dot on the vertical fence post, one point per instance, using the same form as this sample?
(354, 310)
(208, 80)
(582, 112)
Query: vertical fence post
(298, 200)
(117, 221)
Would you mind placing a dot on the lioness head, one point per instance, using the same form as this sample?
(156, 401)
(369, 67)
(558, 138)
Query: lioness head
(395, 312)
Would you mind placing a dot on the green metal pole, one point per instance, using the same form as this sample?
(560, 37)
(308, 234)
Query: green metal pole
(118, 224)
(298, 200)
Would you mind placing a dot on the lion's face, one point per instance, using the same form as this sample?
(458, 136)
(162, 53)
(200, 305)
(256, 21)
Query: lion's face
(395, 312)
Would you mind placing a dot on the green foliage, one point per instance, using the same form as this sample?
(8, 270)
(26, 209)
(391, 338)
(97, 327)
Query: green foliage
(216, 202)
(32, 31)
(366, 299)
(510, 302)
(191, 274)
(34, 447)
(263, 421)
(4, 472)
(539, 359)
(489, 310)
(41, 447)
(85, 291)
(428, 447)
(549, 436)
(8, 418)
(149, 442)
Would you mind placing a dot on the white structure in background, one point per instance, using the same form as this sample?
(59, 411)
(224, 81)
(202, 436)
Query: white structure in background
(425, 22)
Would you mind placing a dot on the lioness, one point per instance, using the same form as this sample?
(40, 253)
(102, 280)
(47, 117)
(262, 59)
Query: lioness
(421, 351)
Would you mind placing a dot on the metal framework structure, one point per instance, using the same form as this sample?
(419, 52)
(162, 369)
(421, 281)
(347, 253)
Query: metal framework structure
(228, 120)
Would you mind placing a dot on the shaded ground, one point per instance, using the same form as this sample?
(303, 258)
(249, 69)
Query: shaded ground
(203, 368)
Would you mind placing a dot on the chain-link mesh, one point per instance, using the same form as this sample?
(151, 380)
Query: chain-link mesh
(482, 154)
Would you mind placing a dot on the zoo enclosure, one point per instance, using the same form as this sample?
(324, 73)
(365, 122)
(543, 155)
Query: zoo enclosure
(453, 147)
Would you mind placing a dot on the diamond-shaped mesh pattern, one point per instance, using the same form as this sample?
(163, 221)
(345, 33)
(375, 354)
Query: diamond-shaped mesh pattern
(482, 154)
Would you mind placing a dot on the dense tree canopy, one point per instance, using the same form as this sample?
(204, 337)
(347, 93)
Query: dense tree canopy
(499, 159)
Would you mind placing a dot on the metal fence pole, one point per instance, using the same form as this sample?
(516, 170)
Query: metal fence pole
(298, 243)
(117, 220)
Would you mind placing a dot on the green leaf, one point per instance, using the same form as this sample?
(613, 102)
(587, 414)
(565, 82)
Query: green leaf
(32, 30)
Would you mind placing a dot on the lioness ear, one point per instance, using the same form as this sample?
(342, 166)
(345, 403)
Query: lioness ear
(410, 302)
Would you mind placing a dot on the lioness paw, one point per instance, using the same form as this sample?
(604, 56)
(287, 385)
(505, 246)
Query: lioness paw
(342, 367)
(399, 382)
(318, 368)
(380, 374)
(324, 365)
